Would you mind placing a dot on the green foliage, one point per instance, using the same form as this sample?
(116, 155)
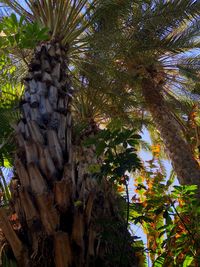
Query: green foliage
(20, 33)
(117, 146)
(66, 22)
(9, 114)
(150, 37)
(169, 216)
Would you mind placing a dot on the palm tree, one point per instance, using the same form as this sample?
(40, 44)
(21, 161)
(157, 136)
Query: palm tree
(153, 41)
(63, 212)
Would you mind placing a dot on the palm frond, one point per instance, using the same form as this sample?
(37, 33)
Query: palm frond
(65, 20)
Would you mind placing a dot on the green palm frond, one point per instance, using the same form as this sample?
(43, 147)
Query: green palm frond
(65, 20)
(152, 36)
(165, 16)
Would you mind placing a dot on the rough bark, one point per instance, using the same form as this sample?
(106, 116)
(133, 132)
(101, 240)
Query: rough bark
(185, 166)
(61, 208)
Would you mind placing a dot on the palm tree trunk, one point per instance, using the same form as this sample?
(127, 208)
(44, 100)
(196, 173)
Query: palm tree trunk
(59, 205)
(185, 166)
(43, 162)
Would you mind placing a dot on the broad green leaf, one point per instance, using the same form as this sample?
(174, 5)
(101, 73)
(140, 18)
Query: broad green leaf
(188, 260)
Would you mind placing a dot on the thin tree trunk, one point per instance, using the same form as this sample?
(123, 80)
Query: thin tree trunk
(63, 211)
(185, 166)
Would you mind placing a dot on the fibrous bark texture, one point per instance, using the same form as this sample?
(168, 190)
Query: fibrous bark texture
(185, 166)
(67, 218)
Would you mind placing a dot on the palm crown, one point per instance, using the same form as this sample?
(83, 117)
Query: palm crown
(154, 46)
